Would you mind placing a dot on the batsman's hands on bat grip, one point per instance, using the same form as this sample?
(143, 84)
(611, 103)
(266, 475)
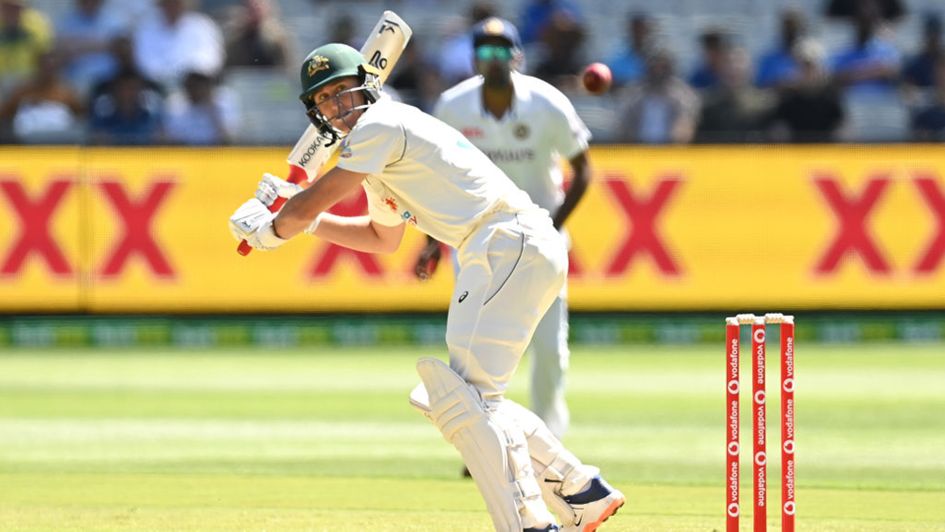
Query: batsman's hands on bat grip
(272, 187)
(428, 260)
(252, 222)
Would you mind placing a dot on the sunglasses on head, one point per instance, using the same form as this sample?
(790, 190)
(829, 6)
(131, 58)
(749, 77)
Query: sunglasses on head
(489, 52)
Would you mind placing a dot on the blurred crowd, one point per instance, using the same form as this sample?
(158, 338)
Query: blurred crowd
(145, 72)
(130, 72)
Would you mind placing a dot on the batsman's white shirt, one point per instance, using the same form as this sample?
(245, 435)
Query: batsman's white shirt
(512, 261)
(425, 173)
(528, 142)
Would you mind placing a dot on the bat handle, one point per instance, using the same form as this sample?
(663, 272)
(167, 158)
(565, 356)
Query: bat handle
(296, 175)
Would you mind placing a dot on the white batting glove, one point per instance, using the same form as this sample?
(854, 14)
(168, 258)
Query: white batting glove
(272, 187)
(252, 222)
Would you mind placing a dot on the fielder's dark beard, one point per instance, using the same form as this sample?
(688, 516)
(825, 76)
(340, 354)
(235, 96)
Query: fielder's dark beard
(502, 81)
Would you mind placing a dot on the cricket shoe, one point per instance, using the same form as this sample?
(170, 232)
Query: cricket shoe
(593, 506)
(549, 528)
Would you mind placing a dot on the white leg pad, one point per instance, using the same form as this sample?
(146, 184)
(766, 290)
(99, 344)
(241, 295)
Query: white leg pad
(558, 471)
(494, 449)
(420, 400)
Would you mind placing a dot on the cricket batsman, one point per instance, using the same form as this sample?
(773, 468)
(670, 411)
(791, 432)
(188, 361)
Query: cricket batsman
(524, 125)
(416, 170)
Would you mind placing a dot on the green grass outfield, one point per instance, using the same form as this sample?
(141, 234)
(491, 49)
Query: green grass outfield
(293, 440)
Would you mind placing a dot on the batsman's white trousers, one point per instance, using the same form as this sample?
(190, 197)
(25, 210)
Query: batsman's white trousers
(511, 269)
(550, 357)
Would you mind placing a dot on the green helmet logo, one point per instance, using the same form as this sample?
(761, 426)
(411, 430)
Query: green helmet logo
(328, 63)
(317, 64)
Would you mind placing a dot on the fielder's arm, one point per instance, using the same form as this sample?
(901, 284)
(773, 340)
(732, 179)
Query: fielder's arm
(581, 169)
(428, 259)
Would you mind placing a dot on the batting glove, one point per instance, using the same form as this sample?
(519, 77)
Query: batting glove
(272, 187)
(252, 222)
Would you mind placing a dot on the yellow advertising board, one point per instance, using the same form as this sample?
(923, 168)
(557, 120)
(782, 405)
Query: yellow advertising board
(41, 225)
(683, 228)
(764, 227)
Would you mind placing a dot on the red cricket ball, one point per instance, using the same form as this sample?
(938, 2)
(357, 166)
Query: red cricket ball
(596, 78)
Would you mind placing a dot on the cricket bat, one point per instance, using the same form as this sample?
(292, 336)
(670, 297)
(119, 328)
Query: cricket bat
(382, 49)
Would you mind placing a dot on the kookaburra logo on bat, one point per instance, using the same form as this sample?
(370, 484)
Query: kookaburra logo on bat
(317, 64)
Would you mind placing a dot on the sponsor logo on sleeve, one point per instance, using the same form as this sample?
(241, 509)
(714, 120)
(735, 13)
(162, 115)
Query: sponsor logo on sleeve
(472, 133)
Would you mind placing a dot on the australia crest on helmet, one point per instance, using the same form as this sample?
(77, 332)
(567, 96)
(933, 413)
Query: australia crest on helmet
(317, 64)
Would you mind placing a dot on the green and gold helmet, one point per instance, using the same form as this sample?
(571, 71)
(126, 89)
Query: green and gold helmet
(328, 63)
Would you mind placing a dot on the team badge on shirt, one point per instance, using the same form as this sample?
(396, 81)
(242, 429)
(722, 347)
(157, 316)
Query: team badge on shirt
(391, 202)
(317, 64)
(521, 131)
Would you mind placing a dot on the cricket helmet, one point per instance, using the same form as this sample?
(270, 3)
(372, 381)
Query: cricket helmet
(496, 28)
(328, 63)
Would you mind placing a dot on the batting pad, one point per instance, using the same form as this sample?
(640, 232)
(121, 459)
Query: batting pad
(494, 449)
(420, 400)
(558, 471)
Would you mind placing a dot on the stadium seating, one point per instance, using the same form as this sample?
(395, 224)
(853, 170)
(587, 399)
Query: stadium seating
(875, 117)
(271, 112)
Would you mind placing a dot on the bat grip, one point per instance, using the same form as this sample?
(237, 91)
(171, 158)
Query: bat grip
(296, 175)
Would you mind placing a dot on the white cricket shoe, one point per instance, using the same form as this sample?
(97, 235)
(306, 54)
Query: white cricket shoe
(593, 506)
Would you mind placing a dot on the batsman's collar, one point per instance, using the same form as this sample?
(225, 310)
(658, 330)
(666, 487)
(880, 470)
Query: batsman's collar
(496, 27)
